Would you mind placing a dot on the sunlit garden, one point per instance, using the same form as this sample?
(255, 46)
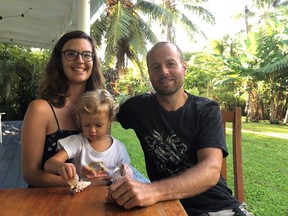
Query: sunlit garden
(247, 69)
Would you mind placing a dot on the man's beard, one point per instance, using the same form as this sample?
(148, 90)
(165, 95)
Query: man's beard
(167, 91)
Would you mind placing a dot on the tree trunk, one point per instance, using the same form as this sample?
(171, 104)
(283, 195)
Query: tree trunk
(168, 4)
(279, 106)
(285, 121)
(277, 98)
(273, 113)
(246, 12)
(120, 65)
(247, 109)
(253, 106)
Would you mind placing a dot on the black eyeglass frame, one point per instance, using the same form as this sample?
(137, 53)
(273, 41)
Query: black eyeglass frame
(76, 56)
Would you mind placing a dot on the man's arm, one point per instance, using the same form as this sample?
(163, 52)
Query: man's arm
(195, 180)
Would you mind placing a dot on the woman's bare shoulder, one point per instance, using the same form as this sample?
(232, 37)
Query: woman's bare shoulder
(39, 101)
(38, 108)
(39, 104)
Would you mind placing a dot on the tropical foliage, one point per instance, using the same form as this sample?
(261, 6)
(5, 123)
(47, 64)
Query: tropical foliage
(124, 31)
(247, 70)
(257, 60)
(183, 12)
(20, 70)
(125, 27)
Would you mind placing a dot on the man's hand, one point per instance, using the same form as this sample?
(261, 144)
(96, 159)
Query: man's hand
(129, 193)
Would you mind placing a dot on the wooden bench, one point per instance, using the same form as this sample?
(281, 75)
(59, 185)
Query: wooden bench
(235, 118)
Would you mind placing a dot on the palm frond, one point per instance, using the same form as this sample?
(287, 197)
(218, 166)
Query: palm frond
(194, 29)
(148, 33)
(99, 29)
(131, 54)
(143, 34)
(278, 66)
(154, 11)
(120, 26)
(137, 40)
(109, 55)
(201, 12)
(227, 81)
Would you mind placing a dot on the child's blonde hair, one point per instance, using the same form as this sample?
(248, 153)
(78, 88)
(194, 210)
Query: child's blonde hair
(98, 101)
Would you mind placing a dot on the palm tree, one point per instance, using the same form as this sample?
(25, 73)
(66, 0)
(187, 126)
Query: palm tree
(269, 16)
(125, 33)
(122, 27)
(182, 12)
(273, 64)
(268, 4)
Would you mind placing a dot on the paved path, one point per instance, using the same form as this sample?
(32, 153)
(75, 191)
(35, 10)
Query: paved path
(271, 134)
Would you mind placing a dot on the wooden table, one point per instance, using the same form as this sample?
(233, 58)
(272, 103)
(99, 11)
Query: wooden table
(60, 201)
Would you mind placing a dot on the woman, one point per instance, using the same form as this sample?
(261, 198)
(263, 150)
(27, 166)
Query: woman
(73, 69)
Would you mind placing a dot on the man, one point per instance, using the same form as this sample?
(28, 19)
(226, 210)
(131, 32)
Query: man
(182, 139)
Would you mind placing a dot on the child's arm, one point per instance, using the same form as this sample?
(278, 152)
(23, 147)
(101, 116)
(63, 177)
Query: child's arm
(57, 165)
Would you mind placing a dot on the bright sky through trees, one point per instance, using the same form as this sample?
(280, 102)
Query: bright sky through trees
(223, 10)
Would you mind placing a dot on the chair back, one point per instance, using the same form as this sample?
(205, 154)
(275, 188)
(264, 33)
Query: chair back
(235, 118)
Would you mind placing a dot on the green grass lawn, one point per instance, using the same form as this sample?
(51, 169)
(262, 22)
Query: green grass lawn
(265, 165)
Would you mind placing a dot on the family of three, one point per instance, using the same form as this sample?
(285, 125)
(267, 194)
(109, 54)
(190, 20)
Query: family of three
(181, 134)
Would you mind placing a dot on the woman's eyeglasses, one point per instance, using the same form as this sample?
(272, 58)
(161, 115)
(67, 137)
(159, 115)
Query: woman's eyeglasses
(72, 55)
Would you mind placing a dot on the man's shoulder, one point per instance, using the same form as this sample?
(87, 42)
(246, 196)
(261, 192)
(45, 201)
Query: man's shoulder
(144, 96)
(202, 102)
(140, 98)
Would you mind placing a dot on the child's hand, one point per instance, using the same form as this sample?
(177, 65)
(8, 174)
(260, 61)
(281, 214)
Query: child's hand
(67, 171)
(122, 170)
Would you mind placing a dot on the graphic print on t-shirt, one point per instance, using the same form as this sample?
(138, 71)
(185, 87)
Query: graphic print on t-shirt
(169, 153)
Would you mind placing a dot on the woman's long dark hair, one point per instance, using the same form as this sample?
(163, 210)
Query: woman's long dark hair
(54, 84)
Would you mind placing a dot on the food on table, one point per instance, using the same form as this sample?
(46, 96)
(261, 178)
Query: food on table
(77, 186)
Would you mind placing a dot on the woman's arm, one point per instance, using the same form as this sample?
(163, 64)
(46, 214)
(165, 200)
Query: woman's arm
(34, 130)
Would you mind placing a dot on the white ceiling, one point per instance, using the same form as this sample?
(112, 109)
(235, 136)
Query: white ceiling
(44, 21)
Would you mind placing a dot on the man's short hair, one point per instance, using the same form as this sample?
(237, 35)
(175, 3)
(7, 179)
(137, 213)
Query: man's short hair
(160, 44)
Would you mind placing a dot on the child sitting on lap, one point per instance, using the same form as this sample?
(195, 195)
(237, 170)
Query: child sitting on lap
(95, 154)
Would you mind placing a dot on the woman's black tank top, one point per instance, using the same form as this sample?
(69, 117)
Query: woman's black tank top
(50, 147)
